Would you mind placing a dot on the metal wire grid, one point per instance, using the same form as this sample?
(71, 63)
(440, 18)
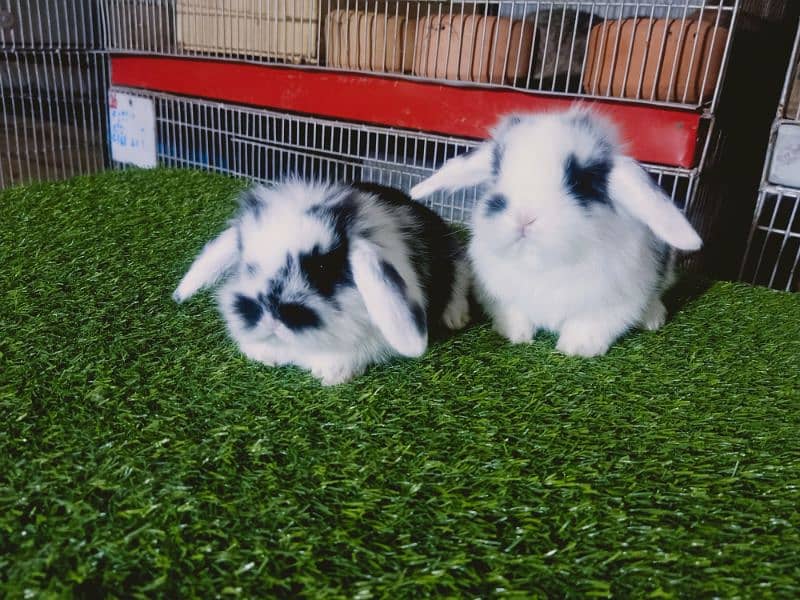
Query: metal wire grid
(669, 52)
(266, 146)
(772, 257)
(53, 82)
(773, 249)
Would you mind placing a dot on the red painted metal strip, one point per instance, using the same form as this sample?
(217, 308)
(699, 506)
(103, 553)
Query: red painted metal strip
(653, 134)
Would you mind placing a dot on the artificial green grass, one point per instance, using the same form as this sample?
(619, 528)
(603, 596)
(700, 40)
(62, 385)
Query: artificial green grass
(141, 455)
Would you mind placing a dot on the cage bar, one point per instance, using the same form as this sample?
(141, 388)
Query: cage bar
(53, 82)
(266, 146)
(669, 52)
(772, 256)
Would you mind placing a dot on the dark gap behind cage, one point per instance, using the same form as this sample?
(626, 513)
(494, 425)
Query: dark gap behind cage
(749, 97)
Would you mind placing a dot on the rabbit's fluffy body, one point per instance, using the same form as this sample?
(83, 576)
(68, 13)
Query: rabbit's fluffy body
(333, 278)
(571, 235)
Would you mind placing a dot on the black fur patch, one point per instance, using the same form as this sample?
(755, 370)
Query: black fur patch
(432, 247)
(297, 317)
(325, 271)
(391, 275)
(495, 204)
(418, 313)
(250, 310)
(588, 183)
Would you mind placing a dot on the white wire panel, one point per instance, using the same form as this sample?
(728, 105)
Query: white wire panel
(266, 146)
(53, 82)
(669, 52)
(773, 249)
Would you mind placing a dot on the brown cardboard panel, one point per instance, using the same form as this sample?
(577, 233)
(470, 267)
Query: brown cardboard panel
(356, 39)
(484, 49)
(675, 60)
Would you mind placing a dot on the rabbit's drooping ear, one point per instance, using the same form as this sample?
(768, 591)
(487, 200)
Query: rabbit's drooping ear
(630, 186)
(459, 172)
(214, 260)
(401, 320)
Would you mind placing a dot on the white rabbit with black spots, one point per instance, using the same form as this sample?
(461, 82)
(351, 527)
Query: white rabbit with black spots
(333, 278)
(572, 235)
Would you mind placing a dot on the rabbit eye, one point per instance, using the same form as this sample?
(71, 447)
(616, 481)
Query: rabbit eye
(495, 204)
(324, 271)
(587, 182)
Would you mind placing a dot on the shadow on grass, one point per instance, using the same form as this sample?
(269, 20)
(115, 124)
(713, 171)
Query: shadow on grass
(684, 292)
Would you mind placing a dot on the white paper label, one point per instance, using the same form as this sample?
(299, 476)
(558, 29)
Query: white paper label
(785, 167)
(133, 129)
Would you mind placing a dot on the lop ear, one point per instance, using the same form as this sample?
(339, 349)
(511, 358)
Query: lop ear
(400, 319)
(630, 186)
(214, 260)
(462, 171)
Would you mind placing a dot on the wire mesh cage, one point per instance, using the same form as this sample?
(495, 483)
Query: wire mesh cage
(54, 76)
(772, 256)
(265, 146)
(661, 51)
(53, 82)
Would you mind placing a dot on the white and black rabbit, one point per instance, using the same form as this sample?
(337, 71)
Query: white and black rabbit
(572, 235)
(333, 278)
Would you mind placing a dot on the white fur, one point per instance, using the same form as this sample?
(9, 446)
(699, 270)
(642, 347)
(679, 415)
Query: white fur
(355, 333)
(458, 173)
(632, 188)
(386, 308)
(214, 260)
(546, 262)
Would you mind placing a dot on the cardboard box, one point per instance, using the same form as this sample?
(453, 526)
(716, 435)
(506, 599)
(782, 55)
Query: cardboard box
(285, 30)
(484, 49)
(363, 40)
(674, 60)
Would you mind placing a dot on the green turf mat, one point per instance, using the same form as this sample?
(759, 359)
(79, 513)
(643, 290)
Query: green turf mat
(140, 454)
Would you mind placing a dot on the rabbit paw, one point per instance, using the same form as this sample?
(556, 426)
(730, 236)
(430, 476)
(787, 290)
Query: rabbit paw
(584, 339)
(260, 353)
(654, 316)
(514, 326)
(456, 315)
(334, 373)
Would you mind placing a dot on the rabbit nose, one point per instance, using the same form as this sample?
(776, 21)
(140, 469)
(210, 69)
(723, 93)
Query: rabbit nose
(523, 223)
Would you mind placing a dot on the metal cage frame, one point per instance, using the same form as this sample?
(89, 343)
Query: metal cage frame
(772, 255)
(53, 82)
(567, 47)
(265, 145)
(55, 77)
